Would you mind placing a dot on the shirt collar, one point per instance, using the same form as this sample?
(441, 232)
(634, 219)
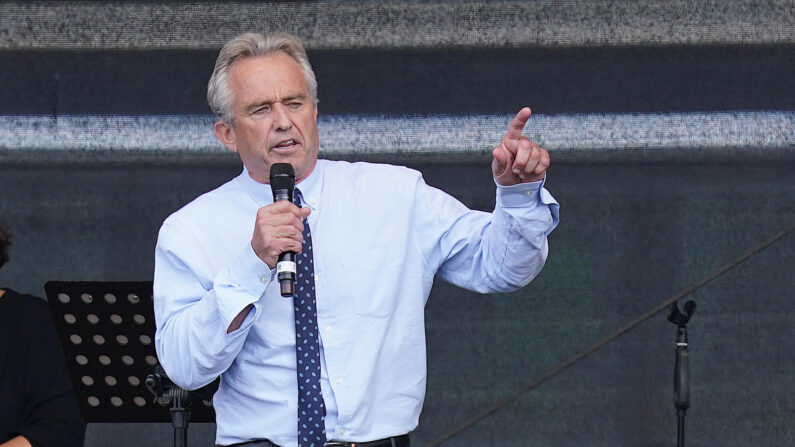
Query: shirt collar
(310, 186)
(262, 194)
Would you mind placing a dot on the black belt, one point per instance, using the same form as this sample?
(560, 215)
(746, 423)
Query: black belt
(258, 443)
(395, 441)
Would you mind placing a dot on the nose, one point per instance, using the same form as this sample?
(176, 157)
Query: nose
(281, 119)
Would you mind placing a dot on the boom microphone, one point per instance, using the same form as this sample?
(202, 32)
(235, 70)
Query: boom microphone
(282, 180)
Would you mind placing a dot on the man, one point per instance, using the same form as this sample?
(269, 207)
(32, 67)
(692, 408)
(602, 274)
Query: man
(377, 235)
(37, 403)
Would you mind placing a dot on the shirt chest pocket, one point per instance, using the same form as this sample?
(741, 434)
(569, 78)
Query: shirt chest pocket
(368, 281)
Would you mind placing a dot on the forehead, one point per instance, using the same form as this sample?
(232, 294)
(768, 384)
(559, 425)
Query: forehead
(266, 78)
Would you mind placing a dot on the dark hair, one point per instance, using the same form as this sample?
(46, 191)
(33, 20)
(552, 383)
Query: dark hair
(5, 242)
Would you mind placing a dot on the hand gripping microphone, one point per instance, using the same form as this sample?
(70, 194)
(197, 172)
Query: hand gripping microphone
(282, 180)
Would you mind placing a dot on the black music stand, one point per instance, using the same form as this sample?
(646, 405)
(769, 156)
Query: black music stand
(107, 334)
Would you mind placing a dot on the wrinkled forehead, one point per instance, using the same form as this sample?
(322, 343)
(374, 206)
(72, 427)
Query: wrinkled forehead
(270, 78)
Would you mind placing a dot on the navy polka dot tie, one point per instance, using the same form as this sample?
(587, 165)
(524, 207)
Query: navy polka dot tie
(311, 408)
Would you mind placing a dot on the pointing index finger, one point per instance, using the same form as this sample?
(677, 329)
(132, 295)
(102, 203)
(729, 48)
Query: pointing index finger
(517, 124)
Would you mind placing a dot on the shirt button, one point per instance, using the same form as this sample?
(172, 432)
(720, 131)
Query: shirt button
(342, 431)
(316, 277)
(527, 193)
(263, 279)
(327, 329)
(338, 381)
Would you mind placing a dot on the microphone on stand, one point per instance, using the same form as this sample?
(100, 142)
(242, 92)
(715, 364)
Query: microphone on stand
(282, 178)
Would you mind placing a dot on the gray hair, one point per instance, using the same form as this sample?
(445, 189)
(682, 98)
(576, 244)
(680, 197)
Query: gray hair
(246, 45)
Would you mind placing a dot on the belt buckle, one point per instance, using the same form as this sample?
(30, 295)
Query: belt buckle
(340, 444)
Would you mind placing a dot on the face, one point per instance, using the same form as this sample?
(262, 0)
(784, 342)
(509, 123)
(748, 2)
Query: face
(275, 120)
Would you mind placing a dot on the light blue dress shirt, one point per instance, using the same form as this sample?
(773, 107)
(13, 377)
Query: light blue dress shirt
(380, 236)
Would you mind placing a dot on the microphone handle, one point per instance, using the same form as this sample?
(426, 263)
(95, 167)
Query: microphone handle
(285, 272)
(285, 267)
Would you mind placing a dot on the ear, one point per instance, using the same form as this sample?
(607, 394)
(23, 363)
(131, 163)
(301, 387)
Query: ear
(225, 134)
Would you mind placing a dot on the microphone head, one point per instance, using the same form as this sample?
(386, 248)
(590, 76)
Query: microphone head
(282, 176)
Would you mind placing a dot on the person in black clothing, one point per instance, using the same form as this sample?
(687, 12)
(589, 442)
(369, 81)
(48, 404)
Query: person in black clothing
(37, 403)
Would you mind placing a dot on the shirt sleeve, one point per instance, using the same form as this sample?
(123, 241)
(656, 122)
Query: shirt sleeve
(195, 304)
(500, 251)
(51, 417)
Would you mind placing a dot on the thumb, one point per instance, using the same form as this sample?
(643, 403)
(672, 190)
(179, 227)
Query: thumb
(502, 161)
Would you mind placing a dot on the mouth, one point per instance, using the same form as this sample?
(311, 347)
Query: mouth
(285, 145)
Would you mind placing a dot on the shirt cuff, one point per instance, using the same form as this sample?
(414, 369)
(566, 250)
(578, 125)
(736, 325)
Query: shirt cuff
(519, 195)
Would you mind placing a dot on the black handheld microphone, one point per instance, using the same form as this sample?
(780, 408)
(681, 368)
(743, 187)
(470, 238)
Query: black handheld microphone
(282, 180)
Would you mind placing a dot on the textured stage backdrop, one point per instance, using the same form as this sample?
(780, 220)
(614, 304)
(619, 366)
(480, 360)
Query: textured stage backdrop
(671, 129)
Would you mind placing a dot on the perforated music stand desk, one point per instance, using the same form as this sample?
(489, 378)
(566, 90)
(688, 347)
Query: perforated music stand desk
(107, 334)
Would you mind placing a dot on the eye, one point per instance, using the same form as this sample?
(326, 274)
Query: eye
(294, 105)
(262, 110)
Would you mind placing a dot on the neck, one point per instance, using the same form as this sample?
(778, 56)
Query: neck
(2, 292)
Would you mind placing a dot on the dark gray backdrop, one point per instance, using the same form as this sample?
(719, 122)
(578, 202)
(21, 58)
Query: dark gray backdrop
(637, 226)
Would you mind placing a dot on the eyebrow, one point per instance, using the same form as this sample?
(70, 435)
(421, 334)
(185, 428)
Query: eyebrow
(251, 108)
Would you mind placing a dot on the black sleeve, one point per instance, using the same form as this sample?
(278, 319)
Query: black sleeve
(51, 417)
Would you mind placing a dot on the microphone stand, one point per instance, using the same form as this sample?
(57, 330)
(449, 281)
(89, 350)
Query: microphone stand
(681, 367)
(169, 394)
